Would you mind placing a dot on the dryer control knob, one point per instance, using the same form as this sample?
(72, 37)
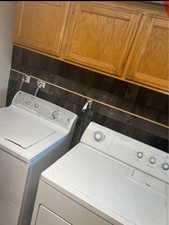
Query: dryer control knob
(99, 136)
(165, 166)
(140, 155)
(152, 160)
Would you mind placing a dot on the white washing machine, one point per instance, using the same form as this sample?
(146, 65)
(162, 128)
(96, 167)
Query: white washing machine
(108, 178)
(33, 134)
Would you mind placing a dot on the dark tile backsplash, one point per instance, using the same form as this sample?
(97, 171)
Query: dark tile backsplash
(132, 98)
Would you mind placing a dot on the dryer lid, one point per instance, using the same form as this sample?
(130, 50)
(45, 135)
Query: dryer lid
(22, 128)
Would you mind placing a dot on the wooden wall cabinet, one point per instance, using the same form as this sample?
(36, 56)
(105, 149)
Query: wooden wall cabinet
(114, 38)
(40, 25)
(149, 59)
(99, 36)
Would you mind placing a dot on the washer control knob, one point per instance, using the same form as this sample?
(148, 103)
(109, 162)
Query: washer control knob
(140, 155)
(36, 105)
(99, 136)
(152, 160)
(56, 115)
(165, 166)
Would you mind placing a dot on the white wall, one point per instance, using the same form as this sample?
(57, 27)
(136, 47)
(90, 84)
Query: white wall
(7, 19)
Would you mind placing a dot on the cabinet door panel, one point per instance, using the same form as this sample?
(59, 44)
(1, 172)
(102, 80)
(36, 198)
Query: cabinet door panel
(40, 25)
(100, 36)
(149, 60)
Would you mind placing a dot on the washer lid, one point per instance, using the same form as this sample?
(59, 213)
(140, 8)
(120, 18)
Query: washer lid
(22, 128)
(109, 187)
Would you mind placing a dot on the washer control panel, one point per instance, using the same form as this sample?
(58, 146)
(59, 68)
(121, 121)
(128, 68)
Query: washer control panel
(51, 112)
(128, 150)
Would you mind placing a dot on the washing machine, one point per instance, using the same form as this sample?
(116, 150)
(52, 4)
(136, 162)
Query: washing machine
(34, 133)
(107, 179)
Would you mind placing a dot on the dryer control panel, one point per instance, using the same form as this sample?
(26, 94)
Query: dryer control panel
(49, 111)
(128, 150)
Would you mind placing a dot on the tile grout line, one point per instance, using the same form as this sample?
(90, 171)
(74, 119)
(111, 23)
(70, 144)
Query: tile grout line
(94, 100)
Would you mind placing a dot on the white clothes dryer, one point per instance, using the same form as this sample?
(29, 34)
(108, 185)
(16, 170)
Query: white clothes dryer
(107, 179)
(34, 133)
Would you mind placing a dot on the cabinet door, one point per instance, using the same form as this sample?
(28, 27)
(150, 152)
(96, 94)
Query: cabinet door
(40, 25)
(99, 35)
(149, 60)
